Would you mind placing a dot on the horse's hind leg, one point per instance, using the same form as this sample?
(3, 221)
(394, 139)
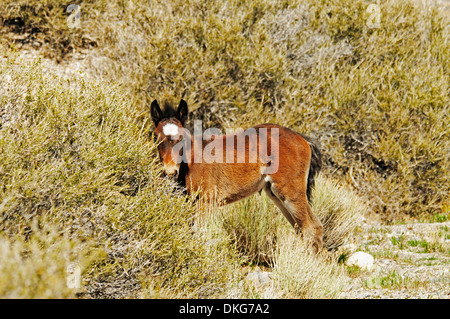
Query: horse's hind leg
(305, 220)
(279, 204)
(296, 209)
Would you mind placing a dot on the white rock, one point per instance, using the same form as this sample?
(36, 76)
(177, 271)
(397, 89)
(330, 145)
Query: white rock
(361, 260)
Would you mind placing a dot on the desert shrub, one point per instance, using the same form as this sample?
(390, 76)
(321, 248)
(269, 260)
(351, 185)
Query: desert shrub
(377, 98)
(252, 226)
(339, 209)
(41, 266)
(316, 278)
(47, 25)
(74, 157)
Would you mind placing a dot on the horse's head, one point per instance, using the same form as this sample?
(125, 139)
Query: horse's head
(169, 133)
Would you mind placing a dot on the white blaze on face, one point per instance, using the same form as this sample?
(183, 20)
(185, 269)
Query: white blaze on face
(170, 129)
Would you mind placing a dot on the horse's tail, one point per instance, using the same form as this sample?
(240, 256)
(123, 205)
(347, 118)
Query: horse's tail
(314, 166)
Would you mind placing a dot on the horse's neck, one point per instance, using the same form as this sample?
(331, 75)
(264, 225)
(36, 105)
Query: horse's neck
(197, 144)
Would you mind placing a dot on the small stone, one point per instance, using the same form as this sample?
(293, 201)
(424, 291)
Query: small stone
(360, 259)
(259, 278)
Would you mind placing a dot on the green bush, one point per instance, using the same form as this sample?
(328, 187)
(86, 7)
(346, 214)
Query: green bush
(40, 266)
(74, 157)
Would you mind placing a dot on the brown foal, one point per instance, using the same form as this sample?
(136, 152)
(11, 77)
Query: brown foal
(266, 157)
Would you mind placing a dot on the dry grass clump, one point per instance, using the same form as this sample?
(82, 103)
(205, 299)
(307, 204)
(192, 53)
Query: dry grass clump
(317, 277)
(40, 266)
(339, 210)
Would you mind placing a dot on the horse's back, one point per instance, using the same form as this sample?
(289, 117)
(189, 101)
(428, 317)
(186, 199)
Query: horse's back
(291, 144)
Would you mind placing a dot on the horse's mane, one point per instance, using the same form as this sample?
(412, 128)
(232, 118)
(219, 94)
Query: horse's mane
(168, 111)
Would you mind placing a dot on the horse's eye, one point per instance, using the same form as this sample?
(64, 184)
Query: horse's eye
(173, 140)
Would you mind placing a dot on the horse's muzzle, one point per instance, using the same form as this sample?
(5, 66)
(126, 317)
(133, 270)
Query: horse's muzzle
(171, 171)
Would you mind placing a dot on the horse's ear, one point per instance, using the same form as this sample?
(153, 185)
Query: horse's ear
(182, 112)
(156, 112)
